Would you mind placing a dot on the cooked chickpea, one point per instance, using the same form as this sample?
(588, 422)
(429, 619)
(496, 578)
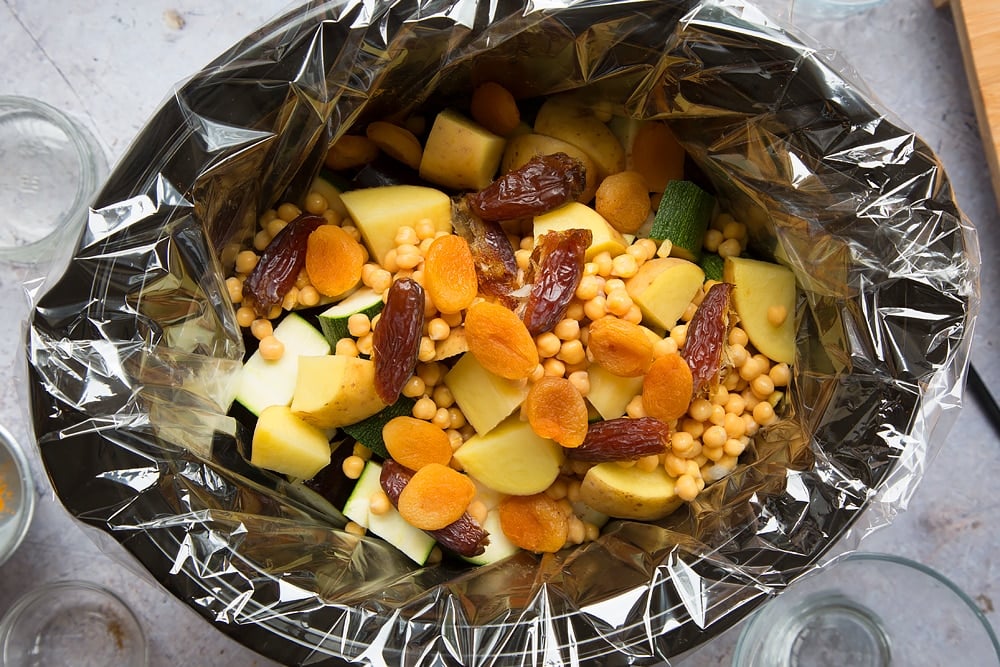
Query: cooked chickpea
(378, 503)
(735, 428)
(271, 348)
(261, 240)
(596, 308)
(431, 373)
(456, 418)
(567, 329)
(358, 325)
(425, 408)
(780, 375)
(309, 296)
(681, 443)
(554, 367)
(692, 426)
(548, 344)
(352, 528)
(442, 396)
(712, 239)
(589, 287)
(729, 248)
(246, 260)
(663, 347)
(618, 302)
(700, 409)
(406, 235)
(686, 488)
(714, 437)
(762, 386)
(580, 381)
(261, 328)
(635, 409)
(679, 334)
(365, 344)
(604, 263)
(234, 286)
(438, 329)
(776, 315)
(572, 352)
(738, 336)
(381, 280)
(352, 466)
(289, 211)
(414, 387)
(441, 418)
(427, 349)
(624, 266)
(537, 374)
(763, 413)
(346, 347)
(733, 447)
(245, 316)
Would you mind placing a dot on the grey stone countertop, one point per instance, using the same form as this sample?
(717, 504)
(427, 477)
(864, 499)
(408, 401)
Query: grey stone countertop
(110, 64)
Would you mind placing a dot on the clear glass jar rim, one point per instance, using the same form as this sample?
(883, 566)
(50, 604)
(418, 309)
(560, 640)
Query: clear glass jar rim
(745, 635)
(33, 596)
(93, 163)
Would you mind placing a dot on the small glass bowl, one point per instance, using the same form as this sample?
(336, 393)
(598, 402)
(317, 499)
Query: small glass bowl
(52, 168)
(869, 610)
(71, 624)
(17, 495)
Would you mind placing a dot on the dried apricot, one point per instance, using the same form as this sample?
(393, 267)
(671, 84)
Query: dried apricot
(667, 387)
(535, 523)
(450, 274)
(416, 443)
(620, 347)
(495, 108)
(499, 341)
(333, 260)
(435, 496)
(556, 410)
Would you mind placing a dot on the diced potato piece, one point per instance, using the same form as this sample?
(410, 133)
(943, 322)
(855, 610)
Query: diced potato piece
(460, 153)
(335, 390)
(650, 149)
(764, 298)
(609, 393)
(511, 459)
(629, 493)
(522, 148)
(580, 127)
(663, 288)
(379, 212)
(484, 398)
(284, 443)
(575, 215)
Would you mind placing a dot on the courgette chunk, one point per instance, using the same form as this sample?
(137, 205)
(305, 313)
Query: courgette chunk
(682, 218)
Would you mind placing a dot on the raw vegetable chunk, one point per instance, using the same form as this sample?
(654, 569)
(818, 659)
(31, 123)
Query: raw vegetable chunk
(484, 398)
(629, 493)
(682, 218)
(663, 288)
(264, 383)
(334, 390)
(380, 212)
(284, 443)
(333, 321)
(511, 459)
(575, 215)
(460, 153)
(764, 297)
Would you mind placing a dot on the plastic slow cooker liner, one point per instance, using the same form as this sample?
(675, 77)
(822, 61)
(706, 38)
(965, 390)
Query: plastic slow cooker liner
(133, 354)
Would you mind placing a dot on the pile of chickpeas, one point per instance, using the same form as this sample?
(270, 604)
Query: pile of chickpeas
(705, 443)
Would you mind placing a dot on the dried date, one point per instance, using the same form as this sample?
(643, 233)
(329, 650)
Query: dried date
(396, 338)
(543, 183)
(622, 439)
(555, 273)
(706, 337)
(463, 536)
(496, 267)
(279, 264)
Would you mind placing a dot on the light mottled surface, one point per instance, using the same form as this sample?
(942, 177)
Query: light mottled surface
(110, 65)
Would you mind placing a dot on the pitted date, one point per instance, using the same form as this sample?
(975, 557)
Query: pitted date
(496, 266)
(464, 536)
(280, 263)
(622, 439)
(556, 269)
(706, 337)
(396, 338)
(543, 183)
